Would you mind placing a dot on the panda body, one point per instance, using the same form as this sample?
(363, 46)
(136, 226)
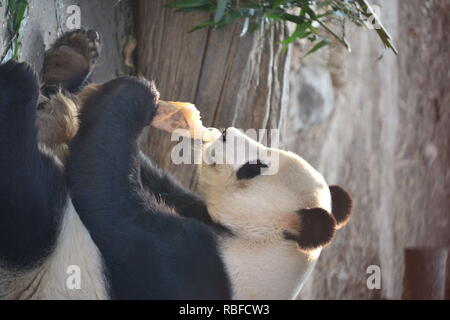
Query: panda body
(252, 237)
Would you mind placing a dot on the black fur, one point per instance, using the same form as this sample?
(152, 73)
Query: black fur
(318, 229)
(250, 170)
(342, 204)
(149, 254)
(186, 203)
(32, 187)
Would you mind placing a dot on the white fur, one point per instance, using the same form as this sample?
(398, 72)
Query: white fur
(266, 270)
(49, 279)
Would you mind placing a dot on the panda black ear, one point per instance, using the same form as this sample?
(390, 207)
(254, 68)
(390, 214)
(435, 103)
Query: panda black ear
(317, 229)
(341, 203)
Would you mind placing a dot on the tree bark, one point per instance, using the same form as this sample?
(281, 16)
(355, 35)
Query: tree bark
(233, 80)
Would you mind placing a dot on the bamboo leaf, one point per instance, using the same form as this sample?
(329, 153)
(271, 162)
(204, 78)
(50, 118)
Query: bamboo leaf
(220, 10)
(326, 13)
(318, 46)
(181, 4)
(202, 25)
(384, 35)
(205, 7)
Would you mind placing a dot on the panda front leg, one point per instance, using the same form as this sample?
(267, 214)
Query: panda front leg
(148, 253)
(165, 187)
(32, 192)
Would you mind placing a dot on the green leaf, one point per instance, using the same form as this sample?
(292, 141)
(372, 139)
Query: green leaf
(300, 32)
(186, 4)
(275, 13)
(206, 7)
(292, 38)
(303, 29)
(220, 10)
(229, 18)
(253, 12)
(318, 46)
(292, 18)
(326, 14)
(16, 11)
(383, 34)
(277, 4)
(255, 25)
(202, 25)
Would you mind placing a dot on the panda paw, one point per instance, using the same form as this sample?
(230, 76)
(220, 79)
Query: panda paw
(69, 63)
(19, 86)
(83, 41)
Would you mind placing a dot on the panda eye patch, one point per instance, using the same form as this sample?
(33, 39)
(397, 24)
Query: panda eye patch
(250, 170)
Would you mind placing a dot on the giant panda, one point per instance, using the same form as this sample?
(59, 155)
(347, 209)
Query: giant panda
(265, 231)
(133, 230)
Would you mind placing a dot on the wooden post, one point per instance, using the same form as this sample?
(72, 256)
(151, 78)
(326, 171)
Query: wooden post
(233, 81)
(447, 278)
(425, 274)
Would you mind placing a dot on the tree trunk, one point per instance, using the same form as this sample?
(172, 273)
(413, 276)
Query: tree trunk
(233, 81)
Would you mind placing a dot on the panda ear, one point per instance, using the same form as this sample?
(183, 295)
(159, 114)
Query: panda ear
(341, 203)
(317, 229)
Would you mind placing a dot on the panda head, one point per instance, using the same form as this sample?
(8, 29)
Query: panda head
(266, 193)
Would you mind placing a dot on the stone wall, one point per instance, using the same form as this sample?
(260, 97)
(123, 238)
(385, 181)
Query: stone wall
(387, 141)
